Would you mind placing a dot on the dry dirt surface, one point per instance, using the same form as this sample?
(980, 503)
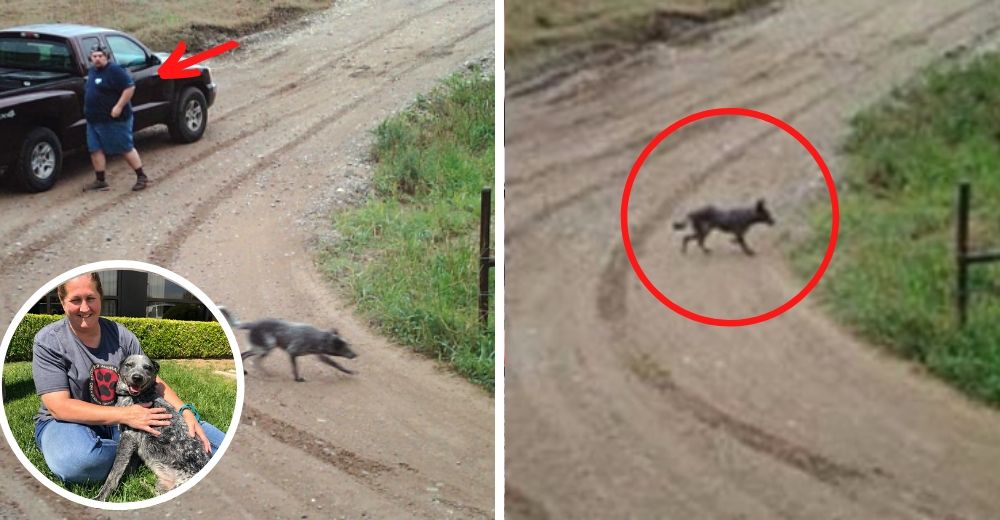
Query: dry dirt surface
(617, 407)
(236, 214)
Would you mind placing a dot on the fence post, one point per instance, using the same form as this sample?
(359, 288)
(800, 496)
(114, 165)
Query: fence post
(961, 251)
(485, 260)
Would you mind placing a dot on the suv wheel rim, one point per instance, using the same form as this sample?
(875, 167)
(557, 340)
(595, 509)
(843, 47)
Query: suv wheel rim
(193, 115)
(43, 160)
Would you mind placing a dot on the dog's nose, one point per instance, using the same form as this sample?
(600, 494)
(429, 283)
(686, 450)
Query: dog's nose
(136, 378)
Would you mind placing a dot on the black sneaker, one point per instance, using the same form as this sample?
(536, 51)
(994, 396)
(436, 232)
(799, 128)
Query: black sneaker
(140, 183)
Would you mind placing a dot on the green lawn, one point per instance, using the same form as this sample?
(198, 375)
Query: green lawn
(894, 274)
(214, 396)
(409, 254)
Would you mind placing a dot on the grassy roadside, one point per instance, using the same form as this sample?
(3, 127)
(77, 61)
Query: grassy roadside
(537, 32)
(212, 394)
(409, 254)
(893, 276)
(161, 24)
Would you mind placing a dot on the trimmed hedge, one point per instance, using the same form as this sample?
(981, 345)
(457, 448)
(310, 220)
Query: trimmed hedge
(160, 338)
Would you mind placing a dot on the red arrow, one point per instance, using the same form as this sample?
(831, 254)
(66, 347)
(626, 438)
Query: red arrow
(175, 68)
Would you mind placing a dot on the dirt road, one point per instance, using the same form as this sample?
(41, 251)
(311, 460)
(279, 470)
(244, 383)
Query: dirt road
(616, 407)
(235, 214)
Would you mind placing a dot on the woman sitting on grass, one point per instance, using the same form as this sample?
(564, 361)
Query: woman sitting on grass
(76, 434)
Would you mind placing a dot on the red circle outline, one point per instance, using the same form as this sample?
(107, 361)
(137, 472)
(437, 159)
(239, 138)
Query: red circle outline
(834, 228)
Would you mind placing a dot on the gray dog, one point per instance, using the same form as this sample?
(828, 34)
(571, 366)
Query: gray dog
(736, 221)
(298, 339)
(173, 456)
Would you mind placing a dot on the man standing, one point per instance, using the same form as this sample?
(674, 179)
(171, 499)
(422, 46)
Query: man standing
(108, 111)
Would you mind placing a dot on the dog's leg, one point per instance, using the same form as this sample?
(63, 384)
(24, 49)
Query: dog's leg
(701, 243)
(295, 367)
(330, 361)
(743, 244)
(127, 446)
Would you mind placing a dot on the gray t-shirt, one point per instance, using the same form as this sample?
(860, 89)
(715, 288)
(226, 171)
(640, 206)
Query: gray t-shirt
(60, 361)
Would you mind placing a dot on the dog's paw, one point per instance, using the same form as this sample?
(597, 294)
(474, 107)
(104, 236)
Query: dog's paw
(299, 380)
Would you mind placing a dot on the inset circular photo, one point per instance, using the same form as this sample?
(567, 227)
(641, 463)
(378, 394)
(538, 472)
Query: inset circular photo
(121, 385)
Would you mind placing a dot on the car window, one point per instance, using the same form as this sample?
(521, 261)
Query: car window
(88, 44)
(23, 53)
(127, 53)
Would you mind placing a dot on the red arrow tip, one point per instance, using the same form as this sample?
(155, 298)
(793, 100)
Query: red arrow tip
(175, 68)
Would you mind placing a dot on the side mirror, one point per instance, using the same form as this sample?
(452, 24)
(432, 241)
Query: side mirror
(152, 60)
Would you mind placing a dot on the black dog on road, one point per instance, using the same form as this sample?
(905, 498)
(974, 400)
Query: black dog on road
(173, 456)
(298, 339)
(736, 221)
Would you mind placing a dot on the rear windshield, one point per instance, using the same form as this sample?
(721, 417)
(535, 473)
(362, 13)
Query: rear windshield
(31, 54)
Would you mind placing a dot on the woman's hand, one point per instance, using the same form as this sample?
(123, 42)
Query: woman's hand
(144, 417)
(195, 430)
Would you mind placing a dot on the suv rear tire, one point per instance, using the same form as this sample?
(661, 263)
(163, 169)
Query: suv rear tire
(190, 116)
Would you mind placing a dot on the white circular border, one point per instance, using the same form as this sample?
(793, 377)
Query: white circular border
(230, 336)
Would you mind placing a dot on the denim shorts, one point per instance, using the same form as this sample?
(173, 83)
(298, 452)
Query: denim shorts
(113, 137)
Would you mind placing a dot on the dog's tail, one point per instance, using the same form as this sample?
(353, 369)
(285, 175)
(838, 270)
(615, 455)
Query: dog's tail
(680, 224)
(229, 317)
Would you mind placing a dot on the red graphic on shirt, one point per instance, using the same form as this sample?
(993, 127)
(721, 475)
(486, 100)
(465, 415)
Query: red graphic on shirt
(103, 380)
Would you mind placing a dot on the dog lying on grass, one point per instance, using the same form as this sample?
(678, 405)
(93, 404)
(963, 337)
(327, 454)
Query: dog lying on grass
(736, 221)
(298, 339)
(173, 456)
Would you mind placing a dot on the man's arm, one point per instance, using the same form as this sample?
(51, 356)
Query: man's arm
(122, 101)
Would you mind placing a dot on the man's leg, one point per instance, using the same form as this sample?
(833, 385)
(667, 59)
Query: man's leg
(133, 160)
(97, 159)
(75, 452)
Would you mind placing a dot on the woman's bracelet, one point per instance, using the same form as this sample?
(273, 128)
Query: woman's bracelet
(191, 407)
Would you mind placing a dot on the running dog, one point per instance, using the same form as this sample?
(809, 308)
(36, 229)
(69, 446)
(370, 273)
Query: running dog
(173, 456)
(736, 221)
(298, 339)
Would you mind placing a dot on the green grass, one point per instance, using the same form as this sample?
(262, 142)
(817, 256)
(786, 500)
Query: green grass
(893, 276)
(212, 394)
(409, 254)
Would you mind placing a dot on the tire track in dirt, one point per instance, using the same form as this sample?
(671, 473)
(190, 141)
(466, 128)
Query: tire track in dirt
(814, 464)
(57, 504)
(166, 252)
(788, 61)
(844, 479)
(308, 76)
(785, 62)
(365, 470)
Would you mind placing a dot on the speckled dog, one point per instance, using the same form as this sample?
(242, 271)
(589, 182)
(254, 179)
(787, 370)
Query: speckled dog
(173, 456)
(298, 339)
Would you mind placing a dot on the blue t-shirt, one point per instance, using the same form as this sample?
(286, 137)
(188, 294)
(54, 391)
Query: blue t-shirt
(104, 88)
(60, 361)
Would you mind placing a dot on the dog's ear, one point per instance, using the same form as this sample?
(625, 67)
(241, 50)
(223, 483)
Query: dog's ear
(760, 204)
(156, 367)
